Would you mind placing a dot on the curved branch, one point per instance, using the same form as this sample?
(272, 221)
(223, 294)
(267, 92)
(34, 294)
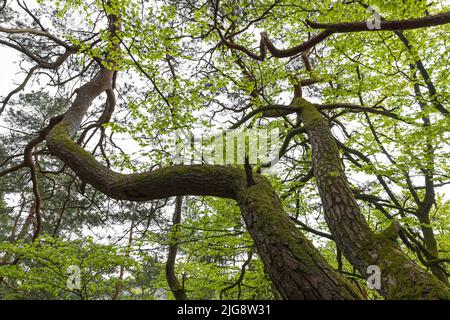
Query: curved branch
(297, 269)
(241, 274)
(358, 108)
(359, 244)
(434, 97)
(42, 64)
(19, 88)
(266, 44)
(305, 227)
(12, 169)
(329, 29)
(35, 32)
(416, 23)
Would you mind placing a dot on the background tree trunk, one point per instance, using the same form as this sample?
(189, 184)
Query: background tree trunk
(177, 289)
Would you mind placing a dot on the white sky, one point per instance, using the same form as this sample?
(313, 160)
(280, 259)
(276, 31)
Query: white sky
(8, 70)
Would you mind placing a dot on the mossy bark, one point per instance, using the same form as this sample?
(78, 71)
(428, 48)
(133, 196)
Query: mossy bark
(296, 268)
(401, 277)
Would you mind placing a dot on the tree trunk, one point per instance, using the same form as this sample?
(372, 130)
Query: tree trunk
(177, 289)
(401, 278)
(295, 266)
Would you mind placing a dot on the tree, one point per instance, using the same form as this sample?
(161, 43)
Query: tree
(196, 63)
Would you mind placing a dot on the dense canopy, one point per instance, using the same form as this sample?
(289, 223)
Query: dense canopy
(354, 203)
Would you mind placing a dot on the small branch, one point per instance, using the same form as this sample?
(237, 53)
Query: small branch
(290, 135)
(313, 231)
(19, 88)
(12, 169)
(36, 33)
(306, 45)
(272, 111)
(358, 108)
(267, 45)
(392, 231)
(241, 275)
(119, 284)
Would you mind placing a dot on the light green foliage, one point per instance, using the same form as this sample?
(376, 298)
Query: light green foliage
(43, 271)
(174, 73)
(213, 245)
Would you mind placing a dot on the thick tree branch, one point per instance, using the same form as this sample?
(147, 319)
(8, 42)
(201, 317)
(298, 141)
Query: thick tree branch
(19, 88)
(416, 23)
(359, 244)
(259, 204)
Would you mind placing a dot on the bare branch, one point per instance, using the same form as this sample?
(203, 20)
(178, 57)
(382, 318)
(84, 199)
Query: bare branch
(35, 32)
(177, 289)
(283, 53)
(18, 89)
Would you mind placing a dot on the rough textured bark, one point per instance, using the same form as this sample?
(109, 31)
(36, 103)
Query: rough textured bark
(297, 270)
(295, 266)
(401, 277)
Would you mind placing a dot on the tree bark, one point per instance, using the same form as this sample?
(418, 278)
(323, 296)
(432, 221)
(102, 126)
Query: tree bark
(401, 278)
(296, 268)
(394, 25)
